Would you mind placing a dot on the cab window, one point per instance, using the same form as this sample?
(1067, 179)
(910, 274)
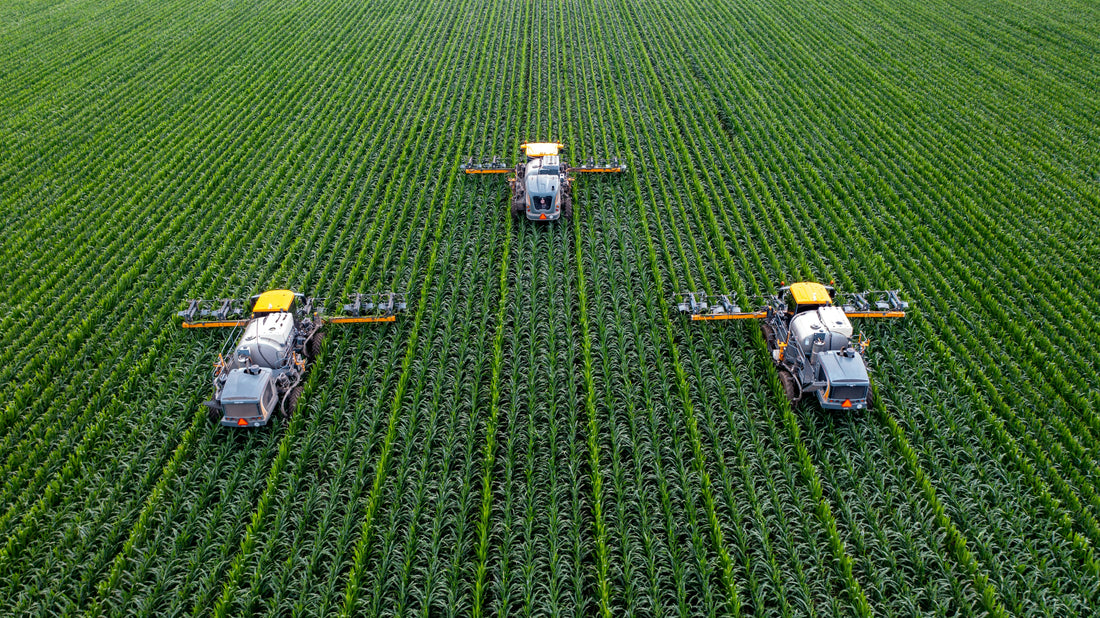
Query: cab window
(269, 397)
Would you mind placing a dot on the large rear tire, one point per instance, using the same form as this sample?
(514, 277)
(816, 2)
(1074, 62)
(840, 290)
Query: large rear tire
(566, 205)
(291, 402)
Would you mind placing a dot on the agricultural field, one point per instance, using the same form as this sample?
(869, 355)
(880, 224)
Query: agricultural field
(541, 433)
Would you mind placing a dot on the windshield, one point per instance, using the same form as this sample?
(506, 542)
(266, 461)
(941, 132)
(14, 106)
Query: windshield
(542, 202)
(241, 410)
(841, 391)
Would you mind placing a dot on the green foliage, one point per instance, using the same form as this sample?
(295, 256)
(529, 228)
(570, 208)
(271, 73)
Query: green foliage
(541, 435)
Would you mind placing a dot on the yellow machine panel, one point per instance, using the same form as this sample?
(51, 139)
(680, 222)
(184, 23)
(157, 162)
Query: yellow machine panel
(273, 300)
(541, 149)
(810, 293)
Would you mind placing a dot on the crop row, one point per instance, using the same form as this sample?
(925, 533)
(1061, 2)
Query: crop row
(540, 434)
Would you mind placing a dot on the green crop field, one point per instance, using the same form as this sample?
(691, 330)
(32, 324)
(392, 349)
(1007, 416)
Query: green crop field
(541, 433)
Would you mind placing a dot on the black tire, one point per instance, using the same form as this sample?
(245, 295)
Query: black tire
(291, 402)
(567, 206)
(518, 208)
(790, 386)
(769, 335)
(313, 349)
(870, 398)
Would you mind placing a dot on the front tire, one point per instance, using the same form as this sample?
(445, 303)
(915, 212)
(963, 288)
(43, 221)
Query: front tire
(313, 349)
(291, 402)
(769, 335)
(790, 386)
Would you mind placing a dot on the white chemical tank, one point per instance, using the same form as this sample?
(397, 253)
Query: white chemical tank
(829, 321)
(268, 340)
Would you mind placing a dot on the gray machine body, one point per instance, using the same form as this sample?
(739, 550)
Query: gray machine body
(248, 393)
(845, 377)
(264, 365)
(268, 340)
(543, 181)
(820, 355)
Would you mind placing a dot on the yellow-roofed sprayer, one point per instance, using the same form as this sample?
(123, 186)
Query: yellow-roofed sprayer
(541, 186)
(262, 373)
(809, 337)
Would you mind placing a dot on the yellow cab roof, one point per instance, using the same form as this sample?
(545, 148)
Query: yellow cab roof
(541, 149)
(273, 300)
(810, 293)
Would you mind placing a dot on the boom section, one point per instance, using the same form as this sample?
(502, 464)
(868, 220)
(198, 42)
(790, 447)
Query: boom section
(230, 312)
(702, 307)
(875, 304)
(495, 166)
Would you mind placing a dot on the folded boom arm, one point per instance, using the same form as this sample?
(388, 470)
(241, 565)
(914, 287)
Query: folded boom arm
(496, 166)
(870, 304)
(875, 304)
(214, 313)
(592, 166)
(701, 307)
(368, 308)
(231, 312)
